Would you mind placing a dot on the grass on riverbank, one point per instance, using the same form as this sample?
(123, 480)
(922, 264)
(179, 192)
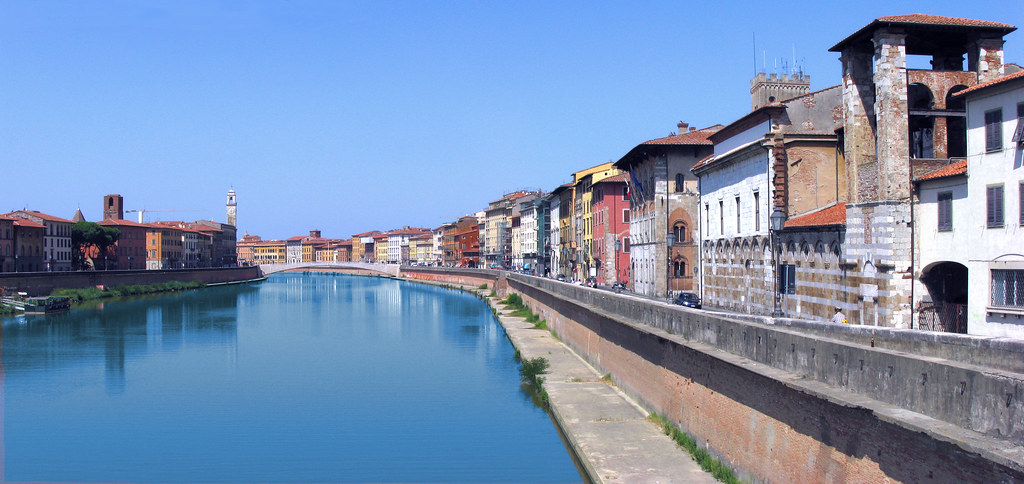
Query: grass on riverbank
(91, 293)
(519, 310)
(6, 310)
(703, 458)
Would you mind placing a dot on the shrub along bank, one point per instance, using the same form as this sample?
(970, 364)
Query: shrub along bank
(91, 293)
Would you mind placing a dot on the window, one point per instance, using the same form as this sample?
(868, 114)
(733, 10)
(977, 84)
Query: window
(721, 217)
(737, 214)
(679, 182)
(757, 212)
(1008, 288)
(1018, 134)
(679, 268)
(945, 208)
(625, 216)
(625, 244)
(787, 279)
(679, 230)
(994, 198)
(625, 192)
(994, 130)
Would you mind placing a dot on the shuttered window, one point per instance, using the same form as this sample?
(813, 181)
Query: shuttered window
(994, 130)
(945, 211)
(994, 198)
(1008, 288)
(1018, 134)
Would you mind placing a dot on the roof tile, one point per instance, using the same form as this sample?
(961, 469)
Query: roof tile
(834, 215)
(1000, 80)
(953, 169)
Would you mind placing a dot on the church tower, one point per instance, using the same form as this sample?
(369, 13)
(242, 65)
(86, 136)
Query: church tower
(113, 207)
(232, 209)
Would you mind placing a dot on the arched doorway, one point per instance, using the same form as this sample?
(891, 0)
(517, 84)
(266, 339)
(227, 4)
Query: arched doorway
(947, 286)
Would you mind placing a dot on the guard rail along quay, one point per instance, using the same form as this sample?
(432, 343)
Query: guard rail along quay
(782, 400)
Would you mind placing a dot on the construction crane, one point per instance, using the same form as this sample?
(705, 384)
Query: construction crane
(142, 212)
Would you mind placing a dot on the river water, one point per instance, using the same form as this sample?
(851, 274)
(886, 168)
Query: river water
(301, 378)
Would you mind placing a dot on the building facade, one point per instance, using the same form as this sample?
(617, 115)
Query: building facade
(57, 240)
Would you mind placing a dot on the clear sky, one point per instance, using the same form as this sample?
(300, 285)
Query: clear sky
(348, 116)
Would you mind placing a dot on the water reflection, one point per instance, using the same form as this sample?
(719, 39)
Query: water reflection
(301, 378)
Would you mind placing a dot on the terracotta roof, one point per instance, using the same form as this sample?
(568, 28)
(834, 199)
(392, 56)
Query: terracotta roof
(702, 163)
(621, 177)
(297, 238)
(410, 231)
(367, 234)
(834, 215)
(44, 216)
(23, 222)
(120, 222)
(953, 169)
(925, 19)
(697, 137)
(993, 82)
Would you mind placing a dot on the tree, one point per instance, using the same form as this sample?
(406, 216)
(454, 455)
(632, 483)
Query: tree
(90, 240)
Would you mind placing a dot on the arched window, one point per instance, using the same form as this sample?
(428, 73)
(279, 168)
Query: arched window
(679, 268)
(679, 182)
(679, 230)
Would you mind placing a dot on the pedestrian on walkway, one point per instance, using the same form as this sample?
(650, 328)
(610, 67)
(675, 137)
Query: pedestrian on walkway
(839, 317)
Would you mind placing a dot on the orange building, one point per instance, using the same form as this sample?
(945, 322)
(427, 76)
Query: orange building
(163, 247)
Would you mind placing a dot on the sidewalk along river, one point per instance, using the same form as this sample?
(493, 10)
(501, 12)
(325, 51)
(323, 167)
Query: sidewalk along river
(304, 377)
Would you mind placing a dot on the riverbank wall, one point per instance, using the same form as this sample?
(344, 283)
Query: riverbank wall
(789, 403)
(42, 283)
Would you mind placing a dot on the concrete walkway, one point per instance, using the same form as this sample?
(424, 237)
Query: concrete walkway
(610, 433)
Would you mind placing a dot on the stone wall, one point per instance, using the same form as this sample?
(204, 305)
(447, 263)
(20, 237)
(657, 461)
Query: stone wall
(794, 404)
(42, 283)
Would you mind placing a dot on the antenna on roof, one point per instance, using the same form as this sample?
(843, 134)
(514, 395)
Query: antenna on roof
(753, 36)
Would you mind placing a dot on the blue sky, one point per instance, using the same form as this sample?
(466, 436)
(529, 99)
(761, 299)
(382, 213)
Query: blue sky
(350, 116)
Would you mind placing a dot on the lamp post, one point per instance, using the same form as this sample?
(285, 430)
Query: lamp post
(777, 219)
(670, 241)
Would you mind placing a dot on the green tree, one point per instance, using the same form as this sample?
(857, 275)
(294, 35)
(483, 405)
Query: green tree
(90, 240)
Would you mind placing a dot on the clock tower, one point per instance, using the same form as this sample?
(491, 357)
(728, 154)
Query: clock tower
(232, 209)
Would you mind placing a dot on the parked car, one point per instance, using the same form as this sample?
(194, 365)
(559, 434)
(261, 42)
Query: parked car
(618, 286)
(591, 282)
(560, 277)
(687, 299)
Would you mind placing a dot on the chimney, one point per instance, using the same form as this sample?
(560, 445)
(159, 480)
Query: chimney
(314, 233)
(682, 127)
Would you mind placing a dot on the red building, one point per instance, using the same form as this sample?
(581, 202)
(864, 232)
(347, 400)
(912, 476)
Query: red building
(6, 244)
(28, 245)
(130, 250)
(467, 244)
(610, 208)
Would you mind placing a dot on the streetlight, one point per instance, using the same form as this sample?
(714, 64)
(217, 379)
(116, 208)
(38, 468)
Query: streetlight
(777, 219)
(670, 241)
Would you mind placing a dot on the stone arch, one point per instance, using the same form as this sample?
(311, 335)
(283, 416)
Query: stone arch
(956, 126)
(946, 282)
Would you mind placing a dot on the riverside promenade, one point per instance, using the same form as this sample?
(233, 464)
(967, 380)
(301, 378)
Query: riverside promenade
(608, 431)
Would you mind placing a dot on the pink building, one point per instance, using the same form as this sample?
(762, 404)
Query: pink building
(610, 208)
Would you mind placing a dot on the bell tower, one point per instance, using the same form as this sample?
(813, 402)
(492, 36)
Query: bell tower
(113, 207)
(232, 209)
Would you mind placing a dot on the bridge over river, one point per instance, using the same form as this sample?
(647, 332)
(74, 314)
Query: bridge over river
(389, 269)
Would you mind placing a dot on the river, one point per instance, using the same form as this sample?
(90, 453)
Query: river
(301, 378)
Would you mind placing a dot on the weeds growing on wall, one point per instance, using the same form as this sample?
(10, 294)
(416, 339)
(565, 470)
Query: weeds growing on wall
(89, 293)
(482, 286)
(531, 374)
(515, 302)
(703, 458)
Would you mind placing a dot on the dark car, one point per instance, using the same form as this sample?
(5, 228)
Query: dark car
(560, 277)
(618, 286)
(687, 299)
(591, 282)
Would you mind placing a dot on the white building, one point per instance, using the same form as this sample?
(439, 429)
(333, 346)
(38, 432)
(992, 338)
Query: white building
(293, 249)
(969, 219)
(553, 231)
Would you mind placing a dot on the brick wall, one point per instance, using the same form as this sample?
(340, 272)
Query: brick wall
(783, 406)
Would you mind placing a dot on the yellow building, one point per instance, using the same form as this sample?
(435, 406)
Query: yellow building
(270, 252)
(380, 247)
(583, 215)
(360, 244)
